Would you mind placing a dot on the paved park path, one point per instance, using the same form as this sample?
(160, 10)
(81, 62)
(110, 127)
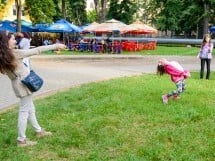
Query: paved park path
(62, 72)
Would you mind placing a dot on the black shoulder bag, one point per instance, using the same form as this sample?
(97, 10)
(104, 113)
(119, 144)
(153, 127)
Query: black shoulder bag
(32, 81)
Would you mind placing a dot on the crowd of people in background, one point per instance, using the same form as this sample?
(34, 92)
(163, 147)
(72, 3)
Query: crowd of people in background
(96, 46)
(78, 43)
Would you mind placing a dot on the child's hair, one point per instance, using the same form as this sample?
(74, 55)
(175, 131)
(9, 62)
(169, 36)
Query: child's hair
(160, 69)
(204, 39)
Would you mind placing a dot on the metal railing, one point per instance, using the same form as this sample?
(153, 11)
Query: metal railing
(158, 40)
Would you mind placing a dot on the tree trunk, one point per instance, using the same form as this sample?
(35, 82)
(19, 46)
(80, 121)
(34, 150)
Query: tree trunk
(103, 10)
(96, 2)
(205, 20)
(19, 14)
(64, 8)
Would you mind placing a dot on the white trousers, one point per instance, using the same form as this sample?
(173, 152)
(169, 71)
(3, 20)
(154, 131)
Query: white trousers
(26, 113)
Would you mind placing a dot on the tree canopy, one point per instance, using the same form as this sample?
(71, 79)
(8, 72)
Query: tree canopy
(122, 11)
(40, 11)
(178, 16)
(183, 15)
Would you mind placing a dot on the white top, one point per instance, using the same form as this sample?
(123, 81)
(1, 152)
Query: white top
(24, 43)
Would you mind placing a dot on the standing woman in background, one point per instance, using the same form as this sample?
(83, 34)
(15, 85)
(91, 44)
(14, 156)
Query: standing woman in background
(11, 64)
(205, 55)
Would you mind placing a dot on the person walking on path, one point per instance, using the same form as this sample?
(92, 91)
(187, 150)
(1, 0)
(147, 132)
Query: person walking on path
(205, 55)
(11, 64)
(177, 74)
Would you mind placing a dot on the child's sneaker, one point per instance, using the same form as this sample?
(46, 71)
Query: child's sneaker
(165, 99)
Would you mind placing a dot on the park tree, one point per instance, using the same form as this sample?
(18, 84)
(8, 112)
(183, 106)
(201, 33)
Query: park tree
(166, 14)
(92, 16)
(63, 8)
(122, 10)
(40, 11)
(101, 9)
(60, 9)
(2, 3)
(197, 16)
(143, 12)
(207, 16)
(183, 16)
(18, 4)
(77, 12)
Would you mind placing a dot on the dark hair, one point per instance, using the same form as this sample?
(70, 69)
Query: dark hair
(26, 35)
(160, 69)
(7, 59)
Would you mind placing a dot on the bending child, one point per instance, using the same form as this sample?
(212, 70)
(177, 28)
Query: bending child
(177, 74)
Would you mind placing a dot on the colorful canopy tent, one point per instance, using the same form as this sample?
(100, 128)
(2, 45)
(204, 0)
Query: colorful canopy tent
(42, 26)
(24, 23)
(141, 28)
(60, 26)
(212, 29)
(7, 26)
(110, 26)
(11, 26)
(90, 27)
(27, 26)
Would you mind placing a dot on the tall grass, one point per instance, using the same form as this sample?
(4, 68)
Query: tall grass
(120, 119)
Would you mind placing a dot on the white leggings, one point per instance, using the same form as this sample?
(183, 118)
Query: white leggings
(26, 112)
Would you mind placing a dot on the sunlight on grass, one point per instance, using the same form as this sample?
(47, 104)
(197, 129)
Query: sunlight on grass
(120, 119)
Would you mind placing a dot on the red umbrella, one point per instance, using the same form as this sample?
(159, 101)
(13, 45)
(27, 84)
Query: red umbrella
(141, 28)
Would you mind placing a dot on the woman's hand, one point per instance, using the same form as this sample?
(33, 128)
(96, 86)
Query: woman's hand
(61, 46)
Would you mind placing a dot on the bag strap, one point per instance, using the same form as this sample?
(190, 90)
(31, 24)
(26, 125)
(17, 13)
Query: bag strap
(25, 64)
(14, 73)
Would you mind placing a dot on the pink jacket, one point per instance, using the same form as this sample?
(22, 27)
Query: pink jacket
(176, 72)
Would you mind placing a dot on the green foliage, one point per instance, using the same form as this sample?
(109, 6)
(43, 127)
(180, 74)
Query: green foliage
(58, 10)
(167, 18)
(190, 17)
(122, 11)
(182, 15)
(120, 119)
(2, 3)
(40, 11)
(92, 16)
(77, 12)
(113, 9)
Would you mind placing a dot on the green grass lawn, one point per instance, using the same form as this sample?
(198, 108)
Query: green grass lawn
(120, 120)
(160, 50)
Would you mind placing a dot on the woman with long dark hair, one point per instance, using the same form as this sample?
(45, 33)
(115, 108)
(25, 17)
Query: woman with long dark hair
(11, 64)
